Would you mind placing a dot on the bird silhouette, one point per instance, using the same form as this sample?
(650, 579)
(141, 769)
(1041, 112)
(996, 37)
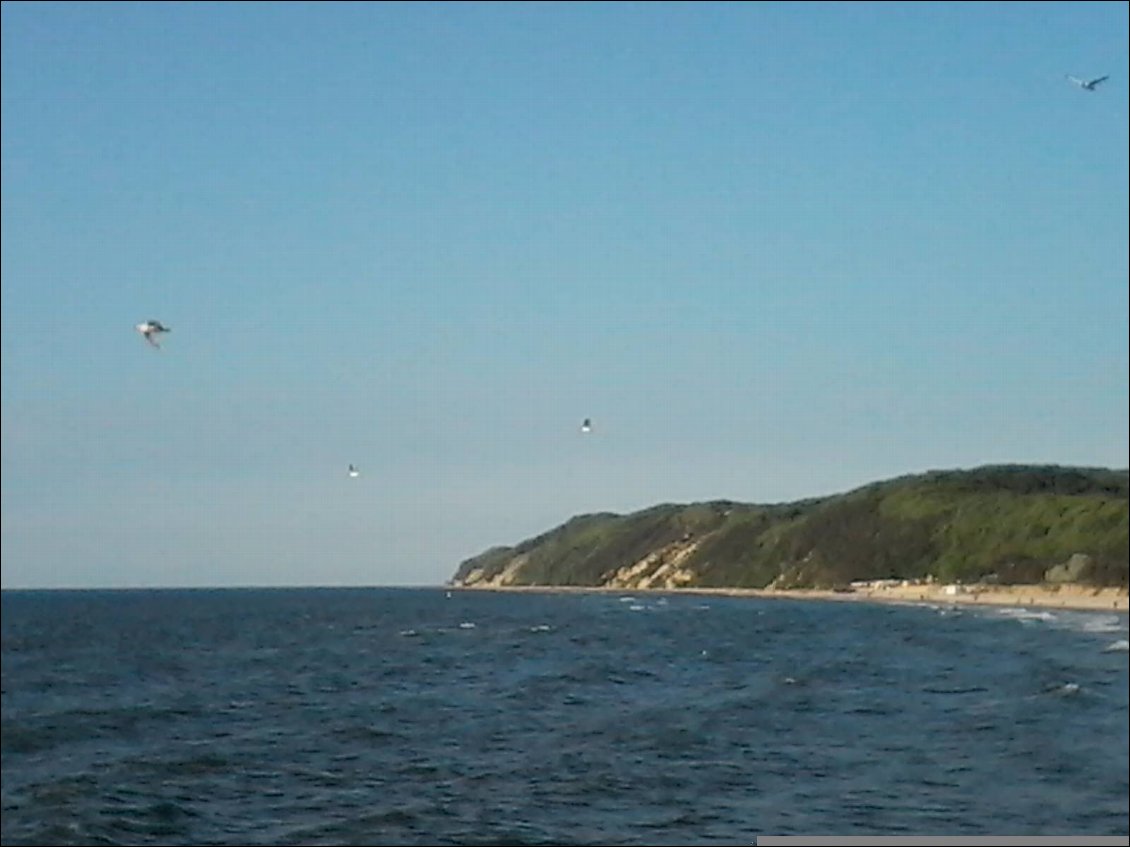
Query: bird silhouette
(152, 330)
(1087, 84)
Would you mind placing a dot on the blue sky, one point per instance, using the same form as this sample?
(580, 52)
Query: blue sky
(773, 250)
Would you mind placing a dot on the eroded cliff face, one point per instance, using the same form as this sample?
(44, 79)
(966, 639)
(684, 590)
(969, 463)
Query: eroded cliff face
(662, 568)
(509, 575)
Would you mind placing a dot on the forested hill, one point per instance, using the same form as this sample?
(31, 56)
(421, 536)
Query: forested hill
(1006, 524)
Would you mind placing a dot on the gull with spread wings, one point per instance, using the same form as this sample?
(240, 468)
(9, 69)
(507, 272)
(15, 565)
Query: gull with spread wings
(1087, 84)
(152, 330)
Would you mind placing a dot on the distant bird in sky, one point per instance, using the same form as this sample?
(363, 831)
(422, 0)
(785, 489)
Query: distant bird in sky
(152, 330)
(586, 425)
(1087, 84)
(353, 472)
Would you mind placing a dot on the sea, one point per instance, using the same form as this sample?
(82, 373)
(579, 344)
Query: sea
(422, 716)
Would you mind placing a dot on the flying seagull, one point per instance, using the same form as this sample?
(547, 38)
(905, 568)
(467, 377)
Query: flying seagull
(353, 472)
(586, 425)
(1087, 84)
(151, 330)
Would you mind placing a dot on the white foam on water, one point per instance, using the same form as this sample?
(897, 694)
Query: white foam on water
(1119, 646)
(1074, 620)
(1064, 690)
(1091, 623)
(466, 625)
(1025, 615)
(1101, 623)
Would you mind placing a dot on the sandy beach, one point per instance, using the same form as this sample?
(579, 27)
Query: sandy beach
(1042, 596)
(1079, 597)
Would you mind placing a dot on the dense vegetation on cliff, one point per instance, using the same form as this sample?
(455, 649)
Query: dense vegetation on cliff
(1008, 523)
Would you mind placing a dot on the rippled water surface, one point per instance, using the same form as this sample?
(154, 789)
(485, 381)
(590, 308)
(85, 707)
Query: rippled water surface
(407, 716)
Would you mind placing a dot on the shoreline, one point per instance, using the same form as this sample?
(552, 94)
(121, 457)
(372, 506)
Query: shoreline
(1073, 597)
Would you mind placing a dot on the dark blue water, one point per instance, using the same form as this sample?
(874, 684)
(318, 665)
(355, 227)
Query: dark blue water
(399, 716)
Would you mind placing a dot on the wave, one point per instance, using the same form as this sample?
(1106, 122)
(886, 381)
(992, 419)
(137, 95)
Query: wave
(1101, 623)
(1021, 614)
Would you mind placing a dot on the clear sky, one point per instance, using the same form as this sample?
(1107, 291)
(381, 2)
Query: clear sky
(772, 250)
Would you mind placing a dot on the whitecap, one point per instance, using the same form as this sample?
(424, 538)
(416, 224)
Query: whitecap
(466, 625)
(541, 627)
(1119, 646)
(1025, 615)
(1103, 623)
(1065, 689)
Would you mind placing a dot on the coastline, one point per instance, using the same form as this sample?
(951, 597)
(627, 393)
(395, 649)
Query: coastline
(1045, 596)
